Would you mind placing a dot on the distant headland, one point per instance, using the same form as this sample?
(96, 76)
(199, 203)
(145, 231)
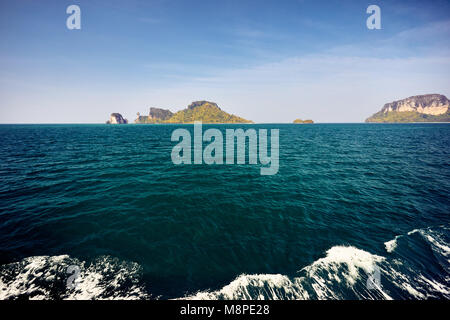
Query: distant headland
(423, 108)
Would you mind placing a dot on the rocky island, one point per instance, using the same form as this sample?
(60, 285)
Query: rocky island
(300, 121)
(116, 118)
(156, 115)
(204, 111)
(423, 108)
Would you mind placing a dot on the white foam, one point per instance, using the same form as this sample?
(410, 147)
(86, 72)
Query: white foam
(391, 245)
(342, 266)
(415, 282)
(436, 241)
(403, 282)
(351, 257)
(340, 274)
(26, 281)
(36, 278)
(431, 236)
(257, 286)
(435, 286)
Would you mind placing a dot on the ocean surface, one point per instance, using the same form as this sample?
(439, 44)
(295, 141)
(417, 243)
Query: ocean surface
(351, 204)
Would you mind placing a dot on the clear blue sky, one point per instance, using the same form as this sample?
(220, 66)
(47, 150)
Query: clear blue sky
(268, 61)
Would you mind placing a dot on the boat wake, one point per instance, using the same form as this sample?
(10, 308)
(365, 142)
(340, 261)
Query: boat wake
(46, 277)
(415, 266)
(342, 274)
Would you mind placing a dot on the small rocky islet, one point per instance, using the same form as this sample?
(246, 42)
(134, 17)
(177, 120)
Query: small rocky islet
(116, 118)
(300, 121)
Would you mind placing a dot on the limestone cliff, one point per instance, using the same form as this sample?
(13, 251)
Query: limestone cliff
(423, 108)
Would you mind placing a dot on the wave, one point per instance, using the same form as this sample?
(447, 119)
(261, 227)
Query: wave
(342, 267)
(417, 266)
(431, 235)
(347, 272)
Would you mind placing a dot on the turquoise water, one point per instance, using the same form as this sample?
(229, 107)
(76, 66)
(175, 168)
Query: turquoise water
(348, 199)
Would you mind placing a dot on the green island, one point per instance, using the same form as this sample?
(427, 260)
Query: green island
(204, 111)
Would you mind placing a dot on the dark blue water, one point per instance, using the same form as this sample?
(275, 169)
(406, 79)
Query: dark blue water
(349, 200)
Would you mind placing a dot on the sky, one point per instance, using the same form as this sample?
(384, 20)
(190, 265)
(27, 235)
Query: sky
(267, 61)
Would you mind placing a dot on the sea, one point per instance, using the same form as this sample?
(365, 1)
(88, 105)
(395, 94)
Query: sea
(96, 211)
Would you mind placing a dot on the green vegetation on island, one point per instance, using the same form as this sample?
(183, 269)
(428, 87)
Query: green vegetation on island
(204, 111)
(424, 108)
(407, 116)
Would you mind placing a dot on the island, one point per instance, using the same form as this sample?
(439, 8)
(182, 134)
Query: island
(156, 115)
(422, 108)
(116, 118)
(204, 111)
(300, 121)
